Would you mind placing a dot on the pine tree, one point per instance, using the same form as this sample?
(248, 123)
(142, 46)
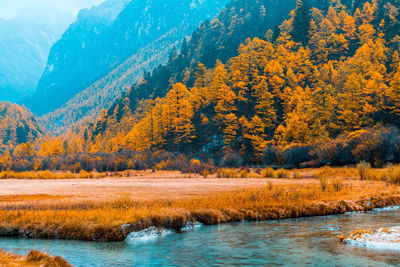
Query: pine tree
(265, 107)
(180, 113)
(301, 21)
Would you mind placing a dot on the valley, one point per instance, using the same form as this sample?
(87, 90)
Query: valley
(242, 132)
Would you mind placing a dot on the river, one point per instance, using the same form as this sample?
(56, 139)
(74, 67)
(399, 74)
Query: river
(293, 242)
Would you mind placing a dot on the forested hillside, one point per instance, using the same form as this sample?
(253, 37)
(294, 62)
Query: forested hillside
(17, 126)
(218, 39)
(338, 77)
(326, 96)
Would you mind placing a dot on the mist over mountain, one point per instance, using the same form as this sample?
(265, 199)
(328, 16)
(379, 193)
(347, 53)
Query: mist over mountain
(25, 42)
(103, 37)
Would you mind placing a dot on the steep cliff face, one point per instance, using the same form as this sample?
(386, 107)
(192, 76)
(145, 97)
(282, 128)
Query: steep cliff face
(25, 42)
(105, 36)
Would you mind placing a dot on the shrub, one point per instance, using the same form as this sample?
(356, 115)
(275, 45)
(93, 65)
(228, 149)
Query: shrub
(227, 173)
(363, 169)
(323, 181)
(376, 146)
(244, 173)
(281, 173)
(253, 175)
(267, 173)
(294, 155)
(271, 155)
(269, 186)
(195, 162)
(162, 165)
(330, 172)
(392, 174)
(140, 164)
(232, 160)
(335, 152)
(76, 168)
(36, 258)
(205, 173)
(36, 175)
(296, 175)
(85, 175)
(337, 184)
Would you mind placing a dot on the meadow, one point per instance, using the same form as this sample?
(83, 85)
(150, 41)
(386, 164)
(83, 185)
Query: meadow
(109, 209)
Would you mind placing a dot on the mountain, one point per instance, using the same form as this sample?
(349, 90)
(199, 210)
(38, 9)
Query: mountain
(327, 96)
(214, 40)
(104, 37)
(87, 105)
(25, 43)
(17, 125)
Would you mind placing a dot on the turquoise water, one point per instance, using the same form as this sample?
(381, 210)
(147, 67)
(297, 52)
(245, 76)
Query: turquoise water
(294, 242)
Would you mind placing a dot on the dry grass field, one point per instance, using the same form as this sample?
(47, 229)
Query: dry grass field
(108, 209)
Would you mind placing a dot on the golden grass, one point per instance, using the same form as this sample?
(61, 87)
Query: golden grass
(281, 173)
(48, 175)
(343, 172)
(113, 220)
(267, 173)
(392, 174)
(228, 173)
(362, 171)
(34, 259)
(257, 174)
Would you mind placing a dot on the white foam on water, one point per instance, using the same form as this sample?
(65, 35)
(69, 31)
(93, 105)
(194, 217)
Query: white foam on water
(191, 226)
(154, 233)
(148, 234)
(391, 208)
(383, 238)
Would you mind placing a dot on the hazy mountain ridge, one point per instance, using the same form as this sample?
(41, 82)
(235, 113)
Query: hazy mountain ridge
(102, 93)
(86, 105)
(25, 42)
(89, 50)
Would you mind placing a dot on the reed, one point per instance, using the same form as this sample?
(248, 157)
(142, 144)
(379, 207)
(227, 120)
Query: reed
(267, 173)
(392, 174)
(364, 169)
(228, 173)
(34, 259)
(113, 220)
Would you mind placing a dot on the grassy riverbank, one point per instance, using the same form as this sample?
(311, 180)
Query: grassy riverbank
(114, 218)
(33, 259)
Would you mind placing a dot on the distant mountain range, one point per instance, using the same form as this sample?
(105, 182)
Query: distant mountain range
(107, 49)
(25, 42)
